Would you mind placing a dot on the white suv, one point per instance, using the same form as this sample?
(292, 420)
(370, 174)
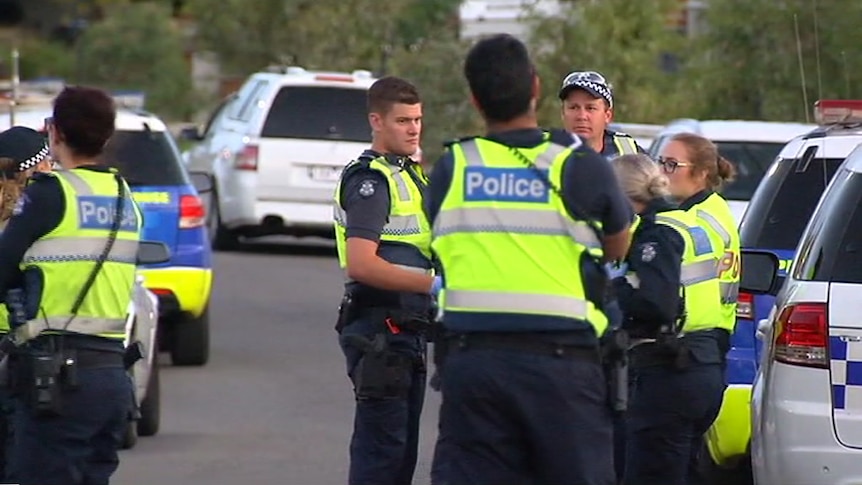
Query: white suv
(807, 396)
(276, 149)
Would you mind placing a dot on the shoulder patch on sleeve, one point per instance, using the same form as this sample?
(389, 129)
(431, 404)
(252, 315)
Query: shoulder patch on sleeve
(367, 188)
(20, 204)
(648, 251)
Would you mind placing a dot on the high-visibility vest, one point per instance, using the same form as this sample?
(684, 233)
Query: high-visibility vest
(505, 240)
(407, 222)
(698, 281)
(67, 255)
(714, 215)
(624, 144)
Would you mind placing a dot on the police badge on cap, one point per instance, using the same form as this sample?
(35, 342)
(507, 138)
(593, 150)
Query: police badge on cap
(24, 146)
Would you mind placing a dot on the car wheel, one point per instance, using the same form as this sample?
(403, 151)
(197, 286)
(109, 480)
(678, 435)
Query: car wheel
(222, 238)
(190, 340)
(148, 424)
(131, 437)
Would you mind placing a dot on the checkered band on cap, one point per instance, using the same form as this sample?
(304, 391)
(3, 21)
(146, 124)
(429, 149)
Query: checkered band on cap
(34, 160)
(590, 81)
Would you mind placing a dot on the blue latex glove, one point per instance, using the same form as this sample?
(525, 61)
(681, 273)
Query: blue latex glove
(616, 270)
(437, 286)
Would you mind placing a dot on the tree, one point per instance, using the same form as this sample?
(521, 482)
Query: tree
(750, 70)
(623, 40)
(139, 49)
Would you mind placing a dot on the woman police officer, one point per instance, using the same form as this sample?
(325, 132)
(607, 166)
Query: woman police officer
(669, 295)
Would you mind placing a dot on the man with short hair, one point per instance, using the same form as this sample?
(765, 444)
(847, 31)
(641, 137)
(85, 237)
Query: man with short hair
(587, 108)
(384, 246)
(522, 219)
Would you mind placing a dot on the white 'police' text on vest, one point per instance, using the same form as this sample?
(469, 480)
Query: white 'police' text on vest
(504, 185)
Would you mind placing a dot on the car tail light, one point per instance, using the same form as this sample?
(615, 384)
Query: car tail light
(745, 306)
(161, 291)
(192, 213)
(246, 159)
(802, 334)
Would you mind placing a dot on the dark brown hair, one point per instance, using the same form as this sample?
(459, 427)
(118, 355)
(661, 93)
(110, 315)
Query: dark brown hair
(84, 117)
(390, 90)
(11, 186)
(704, 155)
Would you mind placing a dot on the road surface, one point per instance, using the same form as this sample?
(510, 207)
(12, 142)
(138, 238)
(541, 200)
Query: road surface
(273, 406)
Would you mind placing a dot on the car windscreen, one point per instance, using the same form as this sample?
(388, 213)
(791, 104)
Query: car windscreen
(832, 249)
(318, 113)
(751, 160)
(782, 205)
(145, 158)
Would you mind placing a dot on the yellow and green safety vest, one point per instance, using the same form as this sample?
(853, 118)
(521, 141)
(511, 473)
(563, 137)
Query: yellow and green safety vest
(714, 215)
(66, 257)
(624, 144)
(505, 240)
(407, 222)
(698, 280)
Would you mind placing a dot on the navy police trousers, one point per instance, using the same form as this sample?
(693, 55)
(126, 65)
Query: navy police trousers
(669, 412)
(385, 443)
(514, 418)
(80, 446)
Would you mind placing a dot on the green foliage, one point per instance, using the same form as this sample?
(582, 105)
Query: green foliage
(41, 58)
(622, 40)
(138, 48)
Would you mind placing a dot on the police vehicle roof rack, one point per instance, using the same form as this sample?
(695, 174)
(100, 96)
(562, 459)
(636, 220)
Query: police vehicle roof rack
(838, 112)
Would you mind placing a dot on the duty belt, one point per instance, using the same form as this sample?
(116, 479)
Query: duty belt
(396, 320)
(521, 342)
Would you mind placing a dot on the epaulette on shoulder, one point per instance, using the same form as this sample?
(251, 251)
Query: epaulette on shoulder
(621, 134)
(448, 144)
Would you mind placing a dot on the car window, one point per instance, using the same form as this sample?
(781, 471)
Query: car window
(751, 161)
(318, 113)
(145, 158)
(783, 203)
(832, 248)
(217, 112)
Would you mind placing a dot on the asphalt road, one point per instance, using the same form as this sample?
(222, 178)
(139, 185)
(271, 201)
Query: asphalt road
(274, 404)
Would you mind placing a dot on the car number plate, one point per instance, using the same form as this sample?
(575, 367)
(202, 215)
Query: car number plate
(324, 173)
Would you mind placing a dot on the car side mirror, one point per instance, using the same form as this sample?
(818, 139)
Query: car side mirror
(192, 133)
(153, 252)
(202, 181)
(759, 272)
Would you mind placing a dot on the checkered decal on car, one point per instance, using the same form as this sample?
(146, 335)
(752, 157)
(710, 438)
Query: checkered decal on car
(845, 354)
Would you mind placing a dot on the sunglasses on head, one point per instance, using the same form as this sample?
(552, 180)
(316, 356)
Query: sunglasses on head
(670, 164)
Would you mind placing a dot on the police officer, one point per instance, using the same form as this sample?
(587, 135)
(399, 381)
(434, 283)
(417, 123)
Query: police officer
(23, 151)
(383, 240)
(524, 398)
(73, 241)
(668, 291)
(587, 107)
(697, 172)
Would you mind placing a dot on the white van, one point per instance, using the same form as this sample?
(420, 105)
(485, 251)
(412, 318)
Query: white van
(750, 145)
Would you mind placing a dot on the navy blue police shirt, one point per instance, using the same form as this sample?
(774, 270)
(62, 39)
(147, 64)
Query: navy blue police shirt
(654, 256)
(589, 186)
(366, 202)
(39, 210)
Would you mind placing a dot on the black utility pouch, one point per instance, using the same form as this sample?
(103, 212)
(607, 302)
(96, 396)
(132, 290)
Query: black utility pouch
(40, 374)
(346, 313)
(382, 373)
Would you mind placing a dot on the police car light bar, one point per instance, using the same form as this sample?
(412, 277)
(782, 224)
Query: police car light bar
(838, 111)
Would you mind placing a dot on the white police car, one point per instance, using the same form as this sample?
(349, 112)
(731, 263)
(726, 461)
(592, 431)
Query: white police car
(807, 397)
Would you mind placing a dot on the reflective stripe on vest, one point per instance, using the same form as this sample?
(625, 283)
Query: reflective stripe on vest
(508, 244)
(625, 145)
(516, 302)
(729, 290)
(407, 222)
(66, 257)
(691, 272)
